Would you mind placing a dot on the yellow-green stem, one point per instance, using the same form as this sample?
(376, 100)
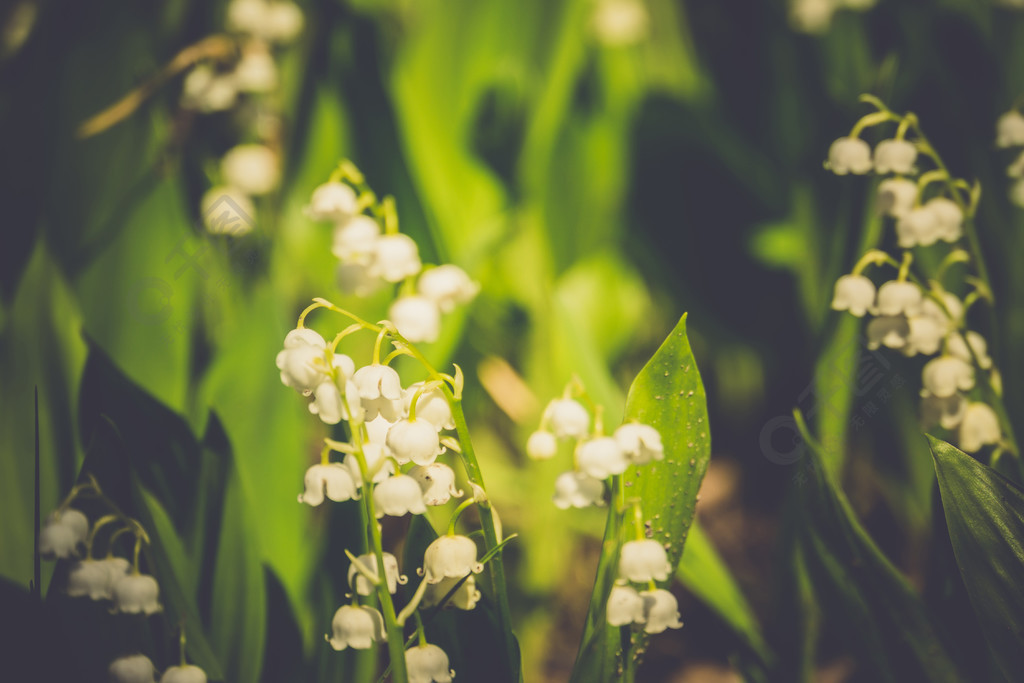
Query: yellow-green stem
(396, 638)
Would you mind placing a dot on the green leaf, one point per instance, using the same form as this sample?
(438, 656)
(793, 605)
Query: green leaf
(702, 571)
(238, 602)
(879, 612)
(985, 515)
(669, 396)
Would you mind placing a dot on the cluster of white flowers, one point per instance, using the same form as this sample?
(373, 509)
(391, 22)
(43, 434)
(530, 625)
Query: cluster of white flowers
(247, 170)
(138, 668)
(1010, 134)
(597, 457)
(69, 535)
(815, 16)
(64, 536)
(655, 609)
(370, 258)
(906, 316)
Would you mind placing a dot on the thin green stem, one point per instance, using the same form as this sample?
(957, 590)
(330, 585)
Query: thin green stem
(396, 649)
(497, 573)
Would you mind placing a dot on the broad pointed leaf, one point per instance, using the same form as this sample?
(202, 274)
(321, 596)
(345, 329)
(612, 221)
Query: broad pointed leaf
(985, 515)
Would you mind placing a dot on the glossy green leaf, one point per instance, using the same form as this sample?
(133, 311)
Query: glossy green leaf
(875, 607)
(668, 395)
(985, 516)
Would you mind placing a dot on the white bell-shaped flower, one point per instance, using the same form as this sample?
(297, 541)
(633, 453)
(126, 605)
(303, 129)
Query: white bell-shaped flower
(186, 673)
(958, 348)
(95, 579)
(227, 211)
(541, 445)
(641, 443)
(136, 594)
(415, 441)
(206, 90)
(256, 71)
(891, 331)
(246, 16)
(925, 335)
(334, 479)
(431, 406)
(895, 156)
(332, 406)
(447, 286)
(919, 226)
(427, 664)
(357, 279)
(449, 557)
(947, 315)
(333, 201)
(355, 239)
(380, 389)
(398, 495)
(568, 418)
(132, 669)
(895, 298)
(284, 21)
(62, 534)
(437, 481)
(601, 457)
(377, 429)
(378, 463)
(417, 318)
(946, 375)
(643, 561)
(464, 598)
(578, 490)
(854, 293)
(979, 427)
(361, 585)
(253, 169)
(947, 411)
(617, 23)
(949, 219)
(356, 627)
(625, 607)
(302, 362)
(1016, 167)
(1010, 129)
(1017, 193)
(396, 257)
(849, 155)
(896, 196)
(661, 611)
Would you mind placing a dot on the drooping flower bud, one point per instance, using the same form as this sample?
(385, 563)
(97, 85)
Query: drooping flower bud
(437, 481)
(568, 418)
(334, 479)
(427, 664)
(132, 669)
(450, 557)
(643, 561)
(398, 495)
(625, 606)
(136, 594)
(356, 627)
(641, 443)
(661, 611)
(849, 155)
(578, 490)
(601, 457)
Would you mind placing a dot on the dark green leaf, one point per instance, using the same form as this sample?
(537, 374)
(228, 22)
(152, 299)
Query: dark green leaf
(985, 515)
(877, 609)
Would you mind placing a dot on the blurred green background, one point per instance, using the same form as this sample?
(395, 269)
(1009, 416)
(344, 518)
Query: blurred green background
(596, 188)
